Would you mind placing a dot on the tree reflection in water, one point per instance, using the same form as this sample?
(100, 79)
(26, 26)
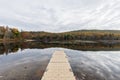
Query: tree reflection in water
(6, 48)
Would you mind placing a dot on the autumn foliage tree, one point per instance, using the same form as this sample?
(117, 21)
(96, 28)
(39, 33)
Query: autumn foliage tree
(16, 33)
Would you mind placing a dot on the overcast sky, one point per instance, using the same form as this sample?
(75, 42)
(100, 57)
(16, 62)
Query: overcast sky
(60, 15)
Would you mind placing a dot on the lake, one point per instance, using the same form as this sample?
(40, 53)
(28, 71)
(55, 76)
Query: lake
(28, 60)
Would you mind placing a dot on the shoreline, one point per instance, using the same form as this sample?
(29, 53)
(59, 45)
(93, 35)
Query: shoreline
(10, 40)
(61, 42)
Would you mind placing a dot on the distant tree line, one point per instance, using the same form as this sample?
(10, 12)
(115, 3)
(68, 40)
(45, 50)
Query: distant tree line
(14, 33)
(47, 37)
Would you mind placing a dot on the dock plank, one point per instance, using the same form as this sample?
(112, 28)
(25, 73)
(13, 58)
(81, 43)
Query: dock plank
(58, 68)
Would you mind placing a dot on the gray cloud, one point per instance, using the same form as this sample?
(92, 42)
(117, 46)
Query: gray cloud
(60, 15)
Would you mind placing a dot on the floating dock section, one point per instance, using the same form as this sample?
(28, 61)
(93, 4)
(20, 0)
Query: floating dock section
(58, 68)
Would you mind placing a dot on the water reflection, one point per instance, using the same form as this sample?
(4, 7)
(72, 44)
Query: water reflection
(100, 65)
(14, 47)
(28, 64)
(28, 60)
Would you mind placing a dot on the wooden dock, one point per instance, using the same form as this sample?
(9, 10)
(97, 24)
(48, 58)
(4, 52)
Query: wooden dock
(58, 68)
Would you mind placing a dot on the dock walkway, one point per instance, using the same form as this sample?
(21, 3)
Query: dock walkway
(58, 68)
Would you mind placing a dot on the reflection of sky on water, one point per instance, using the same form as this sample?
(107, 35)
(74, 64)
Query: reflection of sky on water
(105, 64)
(25, 56)
(101, 63)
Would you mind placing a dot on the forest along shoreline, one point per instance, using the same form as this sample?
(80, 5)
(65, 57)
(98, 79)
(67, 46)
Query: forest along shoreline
(72, 37)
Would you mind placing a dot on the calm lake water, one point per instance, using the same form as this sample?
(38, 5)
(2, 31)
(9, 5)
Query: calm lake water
(28, 61)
